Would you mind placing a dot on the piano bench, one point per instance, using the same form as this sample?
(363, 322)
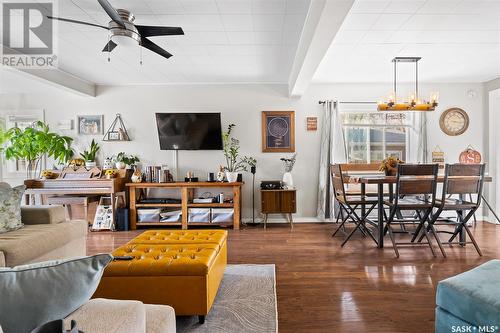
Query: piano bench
(68, 200)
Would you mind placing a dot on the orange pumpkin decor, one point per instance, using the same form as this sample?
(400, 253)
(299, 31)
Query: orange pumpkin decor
(470, 156)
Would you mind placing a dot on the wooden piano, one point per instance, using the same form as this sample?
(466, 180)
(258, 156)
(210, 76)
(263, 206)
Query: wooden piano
(84, 187)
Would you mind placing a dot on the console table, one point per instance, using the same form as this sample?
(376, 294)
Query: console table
(187, 189)
(280, 201)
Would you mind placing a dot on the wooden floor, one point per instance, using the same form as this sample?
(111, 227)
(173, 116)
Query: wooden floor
(322, 287)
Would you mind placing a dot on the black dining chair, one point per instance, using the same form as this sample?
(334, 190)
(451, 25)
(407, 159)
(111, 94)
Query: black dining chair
(415, 192)
(349, 203)
(462, 180)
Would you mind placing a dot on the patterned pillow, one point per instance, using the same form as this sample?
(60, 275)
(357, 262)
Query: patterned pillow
(10, 208)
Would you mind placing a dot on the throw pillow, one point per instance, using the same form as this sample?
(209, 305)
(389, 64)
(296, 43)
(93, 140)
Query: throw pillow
(35, 294)
(10, 208)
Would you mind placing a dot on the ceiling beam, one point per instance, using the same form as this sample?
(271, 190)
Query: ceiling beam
(55, 78)
(322, 23)
(59, 79)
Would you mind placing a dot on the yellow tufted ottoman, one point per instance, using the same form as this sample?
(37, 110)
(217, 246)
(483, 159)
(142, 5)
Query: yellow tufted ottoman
(182, 269)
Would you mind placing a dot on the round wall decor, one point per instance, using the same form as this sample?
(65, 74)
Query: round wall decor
(454, 121)
(470, 156)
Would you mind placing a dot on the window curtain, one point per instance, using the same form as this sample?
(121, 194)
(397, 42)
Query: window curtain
(332, 151)
(418, 152)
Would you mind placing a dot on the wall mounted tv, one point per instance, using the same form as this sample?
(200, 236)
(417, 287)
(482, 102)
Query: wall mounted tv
(189, 131)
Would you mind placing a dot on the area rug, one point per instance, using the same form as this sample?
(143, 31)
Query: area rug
(245, 302)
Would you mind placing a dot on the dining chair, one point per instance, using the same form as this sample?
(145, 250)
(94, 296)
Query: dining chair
(415, 192)
(462, 180)
(349, 203)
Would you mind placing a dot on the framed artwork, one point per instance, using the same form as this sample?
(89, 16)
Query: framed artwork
(278, 131)
(113, 136)
(90, 125)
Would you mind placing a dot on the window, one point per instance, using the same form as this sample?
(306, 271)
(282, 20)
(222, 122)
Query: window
(372, 136)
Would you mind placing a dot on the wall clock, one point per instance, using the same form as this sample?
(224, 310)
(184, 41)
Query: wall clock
(454, 121)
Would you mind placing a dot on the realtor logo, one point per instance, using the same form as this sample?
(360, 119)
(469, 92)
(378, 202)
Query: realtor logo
(28, 34)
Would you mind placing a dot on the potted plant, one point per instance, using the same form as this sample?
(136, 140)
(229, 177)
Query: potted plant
(33, 143)
(288, 164)
(390, 165)
(90, 155)
(123, 160)
(231, 147)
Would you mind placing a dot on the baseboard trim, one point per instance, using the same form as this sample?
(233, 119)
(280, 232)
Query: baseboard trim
(276, 219)
(309, 219)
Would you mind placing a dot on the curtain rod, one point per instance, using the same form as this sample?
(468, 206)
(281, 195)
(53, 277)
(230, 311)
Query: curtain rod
(323, 102)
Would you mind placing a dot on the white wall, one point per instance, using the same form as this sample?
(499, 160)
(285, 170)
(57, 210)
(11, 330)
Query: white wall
(242, 104)
(494, 148)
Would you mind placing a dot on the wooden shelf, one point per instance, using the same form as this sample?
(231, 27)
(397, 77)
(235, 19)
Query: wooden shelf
(212, 205)
(188, 190)
(159, 223)
(158, 205)
(210, 223)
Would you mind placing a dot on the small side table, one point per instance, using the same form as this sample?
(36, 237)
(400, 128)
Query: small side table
(281, 201)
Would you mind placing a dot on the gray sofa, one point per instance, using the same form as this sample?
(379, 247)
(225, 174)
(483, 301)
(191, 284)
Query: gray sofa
(46, 235)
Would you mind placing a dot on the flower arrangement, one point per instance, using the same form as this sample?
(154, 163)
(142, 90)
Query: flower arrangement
(390, 165)
(289, 162)
(49, 174)
(111, 173)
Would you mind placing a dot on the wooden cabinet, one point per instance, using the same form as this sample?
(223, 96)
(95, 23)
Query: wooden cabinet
(278, 202)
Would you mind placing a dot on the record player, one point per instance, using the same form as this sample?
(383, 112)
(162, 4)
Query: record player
(271, 185)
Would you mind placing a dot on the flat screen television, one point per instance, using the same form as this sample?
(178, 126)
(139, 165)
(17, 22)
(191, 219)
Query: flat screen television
(189, 131)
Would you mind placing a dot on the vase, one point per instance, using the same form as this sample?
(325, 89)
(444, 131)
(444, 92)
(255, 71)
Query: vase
(288, 179)
(120, 165)
(232, 177)
(90, 164)
(391, 172)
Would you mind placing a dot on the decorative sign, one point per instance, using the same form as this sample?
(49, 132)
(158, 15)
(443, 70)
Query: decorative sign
(438, 157)
(470, 156)
(312, 123)
(278, 131)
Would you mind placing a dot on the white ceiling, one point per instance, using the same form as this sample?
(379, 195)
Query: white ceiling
(225, 41)
(459, 41)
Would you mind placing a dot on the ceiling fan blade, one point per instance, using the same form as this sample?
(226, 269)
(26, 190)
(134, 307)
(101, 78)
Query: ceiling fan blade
(109, 47)
(77, 22)
(155, 48)
(148, 31)
(111, 11)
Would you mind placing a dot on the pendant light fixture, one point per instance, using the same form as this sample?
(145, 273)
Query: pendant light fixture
(413, 103)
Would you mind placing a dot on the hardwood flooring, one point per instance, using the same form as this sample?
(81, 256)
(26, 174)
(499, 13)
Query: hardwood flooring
(322, 287)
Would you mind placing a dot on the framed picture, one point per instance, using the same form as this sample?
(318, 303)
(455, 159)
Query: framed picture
(90, 125)
(113, 136)
(278, 131)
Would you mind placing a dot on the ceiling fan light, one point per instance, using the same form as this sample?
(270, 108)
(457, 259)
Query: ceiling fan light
(124, 40)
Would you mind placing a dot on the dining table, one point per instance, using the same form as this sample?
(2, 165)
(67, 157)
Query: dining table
(380, 181)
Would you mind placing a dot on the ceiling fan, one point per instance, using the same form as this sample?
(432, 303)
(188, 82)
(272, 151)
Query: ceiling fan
(123, 30)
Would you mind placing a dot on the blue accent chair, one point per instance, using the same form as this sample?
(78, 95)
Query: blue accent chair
(470, 299)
